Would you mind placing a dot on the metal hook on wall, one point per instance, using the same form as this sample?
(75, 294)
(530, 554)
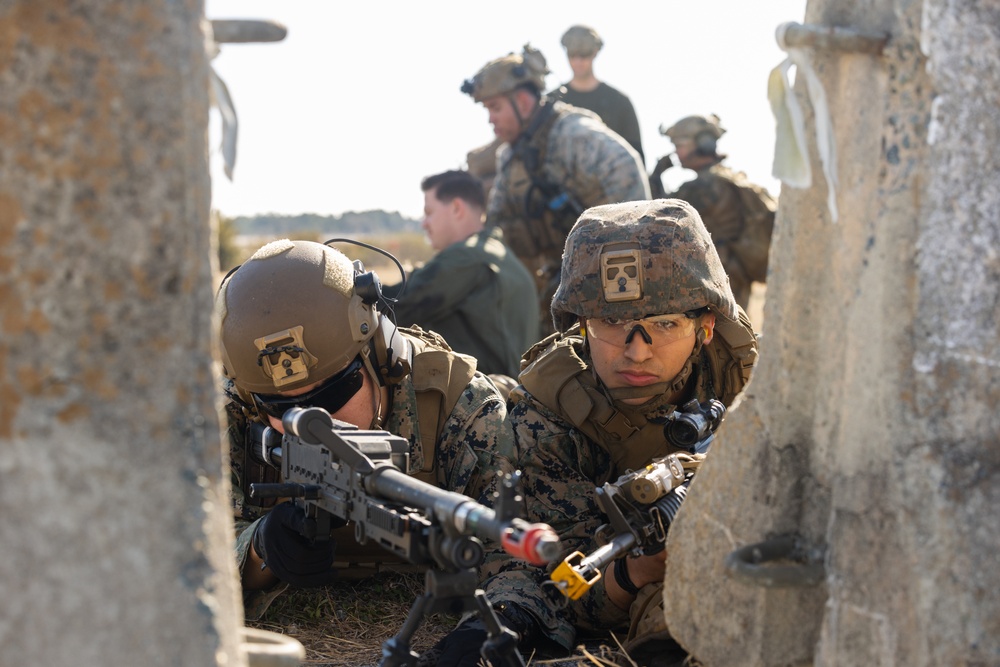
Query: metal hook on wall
(750, 565)
(832, 38)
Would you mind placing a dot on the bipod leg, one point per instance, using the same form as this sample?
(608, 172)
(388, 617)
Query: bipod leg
(500, 647)
(396, 650)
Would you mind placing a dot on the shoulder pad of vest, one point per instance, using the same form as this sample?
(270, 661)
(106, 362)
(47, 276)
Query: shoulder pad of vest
(558, 378)
(733, 353)
(439, 378)
(425, 338)
(447, 371)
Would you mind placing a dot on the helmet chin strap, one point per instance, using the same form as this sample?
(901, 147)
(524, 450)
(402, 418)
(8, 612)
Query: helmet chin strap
(517, 112)
(660, 392)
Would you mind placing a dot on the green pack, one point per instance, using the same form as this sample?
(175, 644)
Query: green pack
(753, 246)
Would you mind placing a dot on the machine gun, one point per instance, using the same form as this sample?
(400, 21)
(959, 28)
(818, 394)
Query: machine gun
(337, 473)
(641, 504)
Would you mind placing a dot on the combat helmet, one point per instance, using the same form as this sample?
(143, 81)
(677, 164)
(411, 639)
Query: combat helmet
(298, 312)
(581, 40)
(635, 259)
(703, 130)
(503, 75)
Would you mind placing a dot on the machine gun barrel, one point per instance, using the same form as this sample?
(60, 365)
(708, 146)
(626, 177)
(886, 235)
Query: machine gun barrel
(534, 542)
(328, 480)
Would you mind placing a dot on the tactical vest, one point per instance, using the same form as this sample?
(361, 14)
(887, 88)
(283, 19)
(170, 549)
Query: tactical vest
(738, 214)
(556, 374)
(547, 210)
(758, 209)
(439, 377)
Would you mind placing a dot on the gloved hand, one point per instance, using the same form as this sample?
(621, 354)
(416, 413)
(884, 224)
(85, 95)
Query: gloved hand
(656, 178)
(462, 646)
(664, 163)
(294, 559)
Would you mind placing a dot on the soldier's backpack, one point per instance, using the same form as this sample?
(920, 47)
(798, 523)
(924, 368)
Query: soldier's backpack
(754, 245)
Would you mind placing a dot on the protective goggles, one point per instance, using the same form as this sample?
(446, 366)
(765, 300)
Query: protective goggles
(658, 330)
(332, 395)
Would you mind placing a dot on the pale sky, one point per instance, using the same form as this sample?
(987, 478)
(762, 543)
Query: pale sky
(361, 100)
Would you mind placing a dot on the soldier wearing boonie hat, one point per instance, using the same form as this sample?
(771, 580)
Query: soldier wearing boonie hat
(585, 90)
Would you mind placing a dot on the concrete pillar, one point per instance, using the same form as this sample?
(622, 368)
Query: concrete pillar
(115, 543)
(870, 427)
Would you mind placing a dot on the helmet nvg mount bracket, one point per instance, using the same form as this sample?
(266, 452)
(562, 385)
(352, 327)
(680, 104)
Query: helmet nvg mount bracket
(504, 75)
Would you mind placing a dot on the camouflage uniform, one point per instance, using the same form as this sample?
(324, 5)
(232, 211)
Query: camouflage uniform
(613, 106)
(572, 436)
(738, 214)
(294, 316)
(473, 293)
(473, 452)
(561, 467)
(586, 162)
(717, 200)
(481, 162)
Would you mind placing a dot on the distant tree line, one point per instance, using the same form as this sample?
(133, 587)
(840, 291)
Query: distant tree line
(350, 224)
(403, 238)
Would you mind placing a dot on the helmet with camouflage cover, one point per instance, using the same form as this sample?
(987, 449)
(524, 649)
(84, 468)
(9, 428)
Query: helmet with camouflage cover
(691, 127)
(296, 313)
(635, 259)
(581, 40)
(504, 75)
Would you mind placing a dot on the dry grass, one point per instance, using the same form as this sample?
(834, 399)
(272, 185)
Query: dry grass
(345, 624)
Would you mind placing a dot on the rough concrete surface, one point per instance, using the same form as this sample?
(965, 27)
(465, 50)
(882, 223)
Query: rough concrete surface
(869, 429)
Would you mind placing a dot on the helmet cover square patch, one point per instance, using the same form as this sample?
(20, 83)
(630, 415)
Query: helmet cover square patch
(283, 356)
(621, 272)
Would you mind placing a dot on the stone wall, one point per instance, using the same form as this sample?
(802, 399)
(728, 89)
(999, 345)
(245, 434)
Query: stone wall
(870, 427)
(115, 539)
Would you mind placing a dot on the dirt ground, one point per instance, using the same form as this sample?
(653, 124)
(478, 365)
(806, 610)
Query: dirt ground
(345, 624)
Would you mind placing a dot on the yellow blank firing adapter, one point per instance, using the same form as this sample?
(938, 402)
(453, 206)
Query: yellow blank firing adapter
(573, 578)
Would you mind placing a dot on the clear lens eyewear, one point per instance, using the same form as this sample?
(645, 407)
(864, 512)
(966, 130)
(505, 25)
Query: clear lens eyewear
(657, 331)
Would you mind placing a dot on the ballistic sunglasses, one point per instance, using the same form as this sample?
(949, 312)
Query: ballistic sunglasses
(332, 395)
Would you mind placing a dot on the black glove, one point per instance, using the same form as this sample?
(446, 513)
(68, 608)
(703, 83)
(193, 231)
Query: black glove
(462, 646)
(664, 163)
(294, 559)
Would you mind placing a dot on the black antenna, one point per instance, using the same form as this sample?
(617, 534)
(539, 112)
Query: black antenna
(386, 253)
(386, 301)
